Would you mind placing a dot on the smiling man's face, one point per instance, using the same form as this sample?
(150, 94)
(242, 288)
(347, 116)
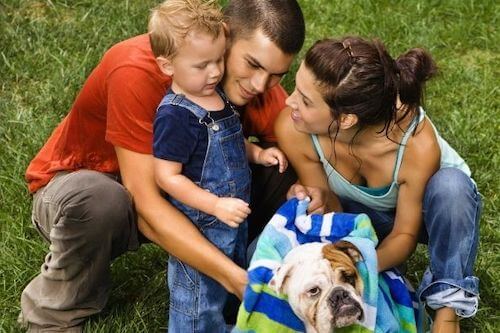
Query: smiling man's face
(253, 65)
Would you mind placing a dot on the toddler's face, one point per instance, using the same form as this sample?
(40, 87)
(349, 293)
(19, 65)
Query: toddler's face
(198, 65)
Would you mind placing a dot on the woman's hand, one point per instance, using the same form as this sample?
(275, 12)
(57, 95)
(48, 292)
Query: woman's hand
(317, 195)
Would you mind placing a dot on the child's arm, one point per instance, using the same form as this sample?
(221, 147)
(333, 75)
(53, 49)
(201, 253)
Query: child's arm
(267, 157)
(231, 211)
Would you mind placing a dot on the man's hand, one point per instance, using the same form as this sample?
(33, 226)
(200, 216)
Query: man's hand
(231, 211)
(272, 156)
(318, 197)
(239, 283)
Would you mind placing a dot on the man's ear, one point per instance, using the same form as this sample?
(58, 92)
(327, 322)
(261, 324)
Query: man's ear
(281, 274)
(348, 120)
(226, 30)
(225, 26)
(165, 65)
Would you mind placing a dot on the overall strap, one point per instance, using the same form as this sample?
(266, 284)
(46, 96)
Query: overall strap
(181, 100)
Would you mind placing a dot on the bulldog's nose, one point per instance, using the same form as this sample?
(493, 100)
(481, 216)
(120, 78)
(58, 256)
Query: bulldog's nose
(338, 295)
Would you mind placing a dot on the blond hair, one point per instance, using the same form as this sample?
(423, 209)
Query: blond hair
(172, 20)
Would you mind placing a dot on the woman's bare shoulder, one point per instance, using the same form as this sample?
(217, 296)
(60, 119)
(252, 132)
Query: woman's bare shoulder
(422, 154)
(290, 139)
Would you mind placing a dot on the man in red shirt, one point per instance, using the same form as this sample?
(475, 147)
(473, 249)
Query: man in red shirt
(94, 193)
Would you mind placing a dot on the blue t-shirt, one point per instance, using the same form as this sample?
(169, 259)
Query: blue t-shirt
(178, 136)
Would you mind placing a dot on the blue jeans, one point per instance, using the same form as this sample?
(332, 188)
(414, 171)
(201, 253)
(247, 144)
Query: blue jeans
(451, 212)
(196, 300)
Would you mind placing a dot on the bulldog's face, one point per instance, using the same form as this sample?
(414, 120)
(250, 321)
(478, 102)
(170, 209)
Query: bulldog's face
(323, 286)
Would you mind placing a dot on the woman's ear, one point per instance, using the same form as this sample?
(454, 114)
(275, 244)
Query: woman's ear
(348, 120)
(165, 65)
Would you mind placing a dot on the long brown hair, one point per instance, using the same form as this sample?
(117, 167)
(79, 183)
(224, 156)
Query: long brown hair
(357, 76)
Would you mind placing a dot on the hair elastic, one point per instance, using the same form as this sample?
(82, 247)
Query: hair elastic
(348, 48)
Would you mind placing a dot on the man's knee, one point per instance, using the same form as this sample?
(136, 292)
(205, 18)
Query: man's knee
(96, 197)
(90, 205)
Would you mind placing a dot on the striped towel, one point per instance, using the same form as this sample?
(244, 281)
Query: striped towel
(390, 302)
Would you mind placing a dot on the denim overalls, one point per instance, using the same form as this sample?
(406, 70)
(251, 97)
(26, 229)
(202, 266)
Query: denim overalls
(197, 301)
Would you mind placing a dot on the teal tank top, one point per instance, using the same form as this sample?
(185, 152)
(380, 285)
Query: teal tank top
(385, 198)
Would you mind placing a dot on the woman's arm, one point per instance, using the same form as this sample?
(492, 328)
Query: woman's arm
(299, 150)
(166, 226)
(420, 162)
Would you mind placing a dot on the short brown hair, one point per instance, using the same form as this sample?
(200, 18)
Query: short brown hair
(172, 20)
(281, 21)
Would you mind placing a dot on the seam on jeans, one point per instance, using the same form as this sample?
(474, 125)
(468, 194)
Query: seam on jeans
(197, 297)
(476, 228)
(184, 270)
(209, 224)
(192, 292)
(447, 283)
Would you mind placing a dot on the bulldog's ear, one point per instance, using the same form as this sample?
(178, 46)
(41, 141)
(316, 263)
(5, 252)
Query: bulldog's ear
(281, 274)
(349, 249)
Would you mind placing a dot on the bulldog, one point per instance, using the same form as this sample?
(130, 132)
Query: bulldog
(323, 285)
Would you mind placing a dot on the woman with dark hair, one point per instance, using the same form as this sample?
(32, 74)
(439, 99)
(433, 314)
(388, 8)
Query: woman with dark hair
(355, 129)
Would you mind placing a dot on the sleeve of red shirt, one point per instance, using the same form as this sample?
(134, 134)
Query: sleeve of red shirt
(132, 99)
(261, 113)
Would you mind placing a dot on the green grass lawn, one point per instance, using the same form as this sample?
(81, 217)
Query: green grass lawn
(47, 48)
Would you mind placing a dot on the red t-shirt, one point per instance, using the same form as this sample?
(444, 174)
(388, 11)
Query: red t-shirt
(261, 113)
(116, 107)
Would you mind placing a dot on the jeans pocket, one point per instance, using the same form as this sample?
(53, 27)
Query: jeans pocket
(221, 235)
(223, 189)
(183, 288)
(190, 212)
(233, 149)
(207, 222)
(245, 191)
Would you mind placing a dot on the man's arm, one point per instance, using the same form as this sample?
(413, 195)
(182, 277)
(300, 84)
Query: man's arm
(166, 226)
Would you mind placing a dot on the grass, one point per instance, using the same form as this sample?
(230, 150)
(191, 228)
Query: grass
(47, 49)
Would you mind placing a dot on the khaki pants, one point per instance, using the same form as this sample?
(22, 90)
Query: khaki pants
(88, 219)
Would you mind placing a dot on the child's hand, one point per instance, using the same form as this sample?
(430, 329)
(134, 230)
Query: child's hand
(273, 156)
(231, 211)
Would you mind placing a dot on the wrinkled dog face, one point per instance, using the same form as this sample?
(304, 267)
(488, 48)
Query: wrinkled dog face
(323, 286)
